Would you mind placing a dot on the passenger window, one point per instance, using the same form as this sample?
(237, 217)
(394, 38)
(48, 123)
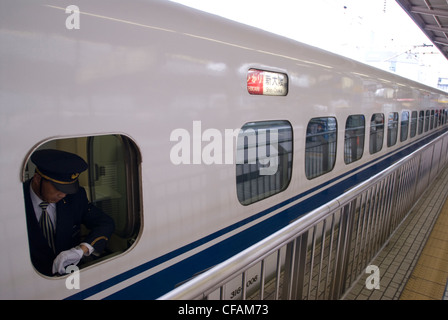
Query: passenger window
(354, 138)
(404, 126)
(436, 118)
(413, 123)
(421, 121)
(432, 120)
(392, 129)
(376, 133)
(427, 120)
(320, 149)
(111, 183)
(264, 160)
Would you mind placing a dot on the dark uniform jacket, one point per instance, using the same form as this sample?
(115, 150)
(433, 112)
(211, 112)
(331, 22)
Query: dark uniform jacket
(72, 211)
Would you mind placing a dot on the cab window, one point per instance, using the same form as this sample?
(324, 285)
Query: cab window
(111, 182)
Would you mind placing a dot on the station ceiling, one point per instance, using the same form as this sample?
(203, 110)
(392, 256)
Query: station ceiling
(432, 18)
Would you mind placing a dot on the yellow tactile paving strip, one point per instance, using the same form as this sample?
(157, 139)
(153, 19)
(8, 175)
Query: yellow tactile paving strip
(429, 278)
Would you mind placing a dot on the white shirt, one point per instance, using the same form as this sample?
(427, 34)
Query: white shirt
(51, 209)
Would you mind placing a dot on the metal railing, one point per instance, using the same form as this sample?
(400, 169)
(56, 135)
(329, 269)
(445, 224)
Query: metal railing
(320, 255)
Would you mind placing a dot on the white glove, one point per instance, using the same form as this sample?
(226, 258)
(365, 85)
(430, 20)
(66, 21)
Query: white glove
(65, 258)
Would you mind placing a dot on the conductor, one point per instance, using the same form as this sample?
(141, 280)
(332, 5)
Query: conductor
(56, 207)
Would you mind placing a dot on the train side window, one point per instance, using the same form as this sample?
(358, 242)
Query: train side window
(404, 128)
(320, 149)
(392, 129)
(354, 138)
(427, 120)
(376, 133)
(436, 118)
(111, 183)
(264, 160)
(413, 123)
(431, 123)
(421, 121)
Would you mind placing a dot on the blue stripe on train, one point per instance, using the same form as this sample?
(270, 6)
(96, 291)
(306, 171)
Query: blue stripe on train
(158, 284)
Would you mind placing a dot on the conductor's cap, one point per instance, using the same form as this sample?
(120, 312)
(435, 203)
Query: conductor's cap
(60, 167)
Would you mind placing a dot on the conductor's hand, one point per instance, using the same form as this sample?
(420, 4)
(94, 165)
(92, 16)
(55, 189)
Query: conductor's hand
(66, 258)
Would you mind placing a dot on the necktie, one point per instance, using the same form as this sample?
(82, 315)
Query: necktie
(46, 225)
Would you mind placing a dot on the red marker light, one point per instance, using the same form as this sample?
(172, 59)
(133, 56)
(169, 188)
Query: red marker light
(267, 83)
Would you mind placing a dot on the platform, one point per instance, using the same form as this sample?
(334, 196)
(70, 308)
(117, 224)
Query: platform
(414, 263)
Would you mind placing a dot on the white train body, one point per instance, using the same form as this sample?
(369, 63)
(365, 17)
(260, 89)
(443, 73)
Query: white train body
(137, 71)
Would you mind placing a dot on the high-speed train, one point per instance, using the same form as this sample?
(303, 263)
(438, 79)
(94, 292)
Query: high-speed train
(203, 136)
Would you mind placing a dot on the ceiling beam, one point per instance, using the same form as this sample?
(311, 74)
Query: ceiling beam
(441, 41)
(434, 28)
(423, 10)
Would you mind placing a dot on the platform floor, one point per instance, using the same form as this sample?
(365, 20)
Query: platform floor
(414, 263)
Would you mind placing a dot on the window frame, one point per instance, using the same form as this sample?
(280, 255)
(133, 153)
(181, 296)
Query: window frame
(330, 147)
(431, 123)
(414, 120)
(392, 128)
(421, 122)
(354, 154)
(374, 132)
(404, 125)
(132, 164)
(251, 185)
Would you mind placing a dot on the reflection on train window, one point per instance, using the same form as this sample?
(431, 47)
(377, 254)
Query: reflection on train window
(392, 129)
(376, 133)
(404, 126)
(264, 160)
(111, 183)
(320, 149)
(421, 121)
(413, 124)
(427, 120)
(354, 138)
